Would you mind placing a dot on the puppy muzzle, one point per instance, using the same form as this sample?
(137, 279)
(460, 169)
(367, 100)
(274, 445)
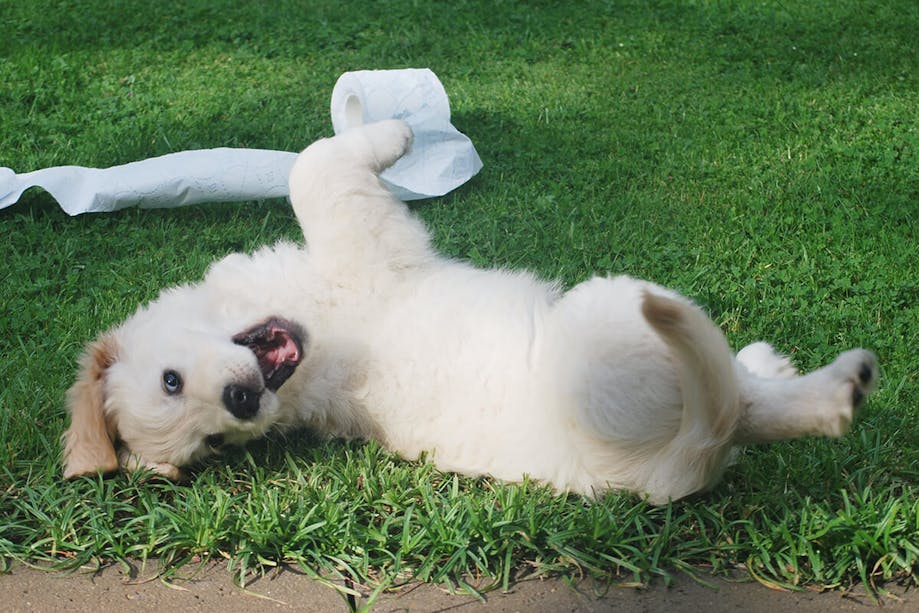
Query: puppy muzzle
(241, 401)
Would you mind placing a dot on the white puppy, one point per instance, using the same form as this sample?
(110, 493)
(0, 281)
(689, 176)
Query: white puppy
(368, 332)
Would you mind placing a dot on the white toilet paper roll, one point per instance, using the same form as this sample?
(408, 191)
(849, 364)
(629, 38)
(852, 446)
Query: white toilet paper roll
(441, 158)
(364, 96)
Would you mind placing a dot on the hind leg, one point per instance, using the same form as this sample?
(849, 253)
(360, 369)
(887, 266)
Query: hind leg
(820, 403)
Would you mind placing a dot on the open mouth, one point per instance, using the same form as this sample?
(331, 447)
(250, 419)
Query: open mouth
(278, 346)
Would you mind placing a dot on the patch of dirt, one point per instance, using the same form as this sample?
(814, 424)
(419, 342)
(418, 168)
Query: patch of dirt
(210, 588)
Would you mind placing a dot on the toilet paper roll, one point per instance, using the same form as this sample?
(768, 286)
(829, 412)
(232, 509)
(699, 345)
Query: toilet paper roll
(440, 160)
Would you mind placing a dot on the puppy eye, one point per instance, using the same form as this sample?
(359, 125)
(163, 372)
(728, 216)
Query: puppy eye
(172, 382)
(214, 441)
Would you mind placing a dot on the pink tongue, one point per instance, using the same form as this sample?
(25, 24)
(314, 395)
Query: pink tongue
(280, 348)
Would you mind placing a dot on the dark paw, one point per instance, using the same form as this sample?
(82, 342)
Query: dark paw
(866, 373)
(858, 397)
(864, 369)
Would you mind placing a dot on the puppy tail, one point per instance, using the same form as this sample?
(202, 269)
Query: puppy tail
(705, 367)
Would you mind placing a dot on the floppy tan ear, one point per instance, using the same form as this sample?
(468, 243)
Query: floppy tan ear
(89, 442)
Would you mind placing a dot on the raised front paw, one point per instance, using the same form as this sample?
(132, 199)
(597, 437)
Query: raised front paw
(389, 141)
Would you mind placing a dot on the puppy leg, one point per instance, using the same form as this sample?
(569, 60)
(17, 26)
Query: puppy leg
(352, 223)
(133, 463)
(820, 403)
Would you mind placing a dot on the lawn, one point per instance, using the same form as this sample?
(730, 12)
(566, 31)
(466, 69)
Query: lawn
(761, 157)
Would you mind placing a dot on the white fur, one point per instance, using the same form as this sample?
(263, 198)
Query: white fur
(617, 383)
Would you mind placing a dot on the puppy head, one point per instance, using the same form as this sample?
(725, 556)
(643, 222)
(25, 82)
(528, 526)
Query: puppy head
(174, 383)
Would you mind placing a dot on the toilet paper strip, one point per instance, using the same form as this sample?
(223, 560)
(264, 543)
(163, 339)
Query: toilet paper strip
(441, 158)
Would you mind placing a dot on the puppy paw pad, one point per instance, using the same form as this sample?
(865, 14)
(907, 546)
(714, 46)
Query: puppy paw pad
(855, 374)
(858, 397)
(866, 373)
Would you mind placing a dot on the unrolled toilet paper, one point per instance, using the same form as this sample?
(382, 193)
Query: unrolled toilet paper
(441, 158)
(176, 179)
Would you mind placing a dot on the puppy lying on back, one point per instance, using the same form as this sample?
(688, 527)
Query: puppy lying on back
(368, 332)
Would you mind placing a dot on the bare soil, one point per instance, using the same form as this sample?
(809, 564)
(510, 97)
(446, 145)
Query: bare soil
(210, 588)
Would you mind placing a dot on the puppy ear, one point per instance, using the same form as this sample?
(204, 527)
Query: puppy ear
(89, 442)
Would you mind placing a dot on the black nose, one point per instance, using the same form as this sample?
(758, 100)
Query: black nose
(241, 401)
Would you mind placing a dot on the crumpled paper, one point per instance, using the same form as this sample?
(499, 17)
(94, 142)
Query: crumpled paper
(441, 158)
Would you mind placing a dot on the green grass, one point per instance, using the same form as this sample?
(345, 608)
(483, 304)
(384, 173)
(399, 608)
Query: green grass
(762, 157)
